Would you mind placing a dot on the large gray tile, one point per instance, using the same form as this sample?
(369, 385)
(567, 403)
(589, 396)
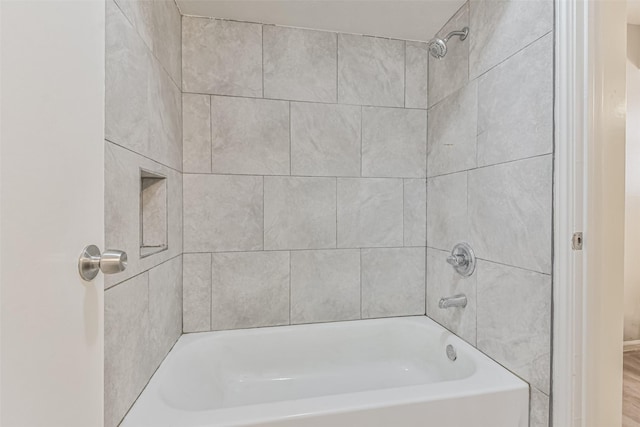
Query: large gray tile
(500, 28)
(141, 15)
(394, 142)
(165, 307)
(142, 103)
(515, 106)
(370, 71)
(196, 295)
(514, 320)
(447, 222)
(158, 23)
(417, 75)
(325, 139)
(223, 213)
(443, 281)
(447, 75)
(127, 361)
(250, 289)
(128, 65)
(122, 209)
(165, 119)
(369, 212)
(415, 212)
(452, 133)
(300, 64)
(539, 409)
(167, 35)
(393, 282)
(196, 133)
(221, 57)
(325, 285)
(299, 213)
(510, 213)
(250, 136)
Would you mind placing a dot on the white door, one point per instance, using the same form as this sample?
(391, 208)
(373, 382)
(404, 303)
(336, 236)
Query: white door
(51, 206)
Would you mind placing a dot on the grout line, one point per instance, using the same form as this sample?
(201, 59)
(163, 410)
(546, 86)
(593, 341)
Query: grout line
(290, 306)
(361, 138)
(210, 134)
(211, 292)
(475, 343)
(491, 165)
(403, 211)
(493, 262)
(143, 156)
(143, 272)
(404, 83)
(222, 95)
(475, 138)
(512, 55)
(426, 292)
(262, 55)
(264, 231)
(213, 18)
(290, 145)
(360, 252)
(337, 68)
(336, 213)
(320, 249)
(179, 9)
(360, 177)
(322, 176)
(426, 146)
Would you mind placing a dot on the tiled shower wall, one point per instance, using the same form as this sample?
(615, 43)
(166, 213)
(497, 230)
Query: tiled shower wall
(304, 175)
(143, 305)
(305, 158)
(490, 149)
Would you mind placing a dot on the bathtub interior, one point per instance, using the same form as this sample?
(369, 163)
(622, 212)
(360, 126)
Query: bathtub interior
(237, 368)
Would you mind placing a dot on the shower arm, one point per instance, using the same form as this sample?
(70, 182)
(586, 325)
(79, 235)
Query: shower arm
(462, 33)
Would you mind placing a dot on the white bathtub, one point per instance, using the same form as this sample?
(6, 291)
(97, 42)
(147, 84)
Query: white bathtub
(369, 373)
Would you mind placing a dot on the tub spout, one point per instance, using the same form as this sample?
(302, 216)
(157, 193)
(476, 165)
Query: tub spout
(459, 300)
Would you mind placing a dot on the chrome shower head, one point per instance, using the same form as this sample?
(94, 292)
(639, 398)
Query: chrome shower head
(438, 47)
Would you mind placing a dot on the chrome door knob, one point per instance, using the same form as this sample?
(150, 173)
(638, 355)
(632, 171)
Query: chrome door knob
(91, 262)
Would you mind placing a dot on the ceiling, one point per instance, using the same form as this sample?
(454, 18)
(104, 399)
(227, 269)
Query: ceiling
(401, 19)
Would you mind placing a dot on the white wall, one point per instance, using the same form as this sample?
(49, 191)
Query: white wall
(632, 202)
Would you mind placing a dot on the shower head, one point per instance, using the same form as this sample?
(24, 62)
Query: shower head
(438, 47)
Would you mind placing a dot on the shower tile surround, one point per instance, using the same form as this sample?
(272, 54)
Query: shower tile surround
(318, 171)
(304, 177)
(490, 156)
(143, 131)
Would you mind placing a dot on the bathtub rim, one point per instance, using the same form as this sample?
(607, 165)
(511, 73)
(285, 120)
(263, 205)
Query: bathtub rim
(489, 378)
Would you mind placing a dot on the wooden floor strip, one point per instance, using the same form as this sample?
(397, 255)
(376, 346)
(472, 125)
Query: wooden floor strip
(631, 390)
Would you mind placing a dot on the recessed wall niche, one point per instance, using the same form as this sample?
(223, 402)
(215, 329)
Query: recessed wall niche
(153, 213)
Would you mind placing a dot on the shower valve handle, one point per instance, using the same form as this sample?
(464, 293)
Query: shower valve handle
(458, 260)
(462, 259)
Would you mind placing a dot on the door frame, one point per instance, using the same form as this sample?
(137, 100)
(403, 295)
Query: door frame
(590, 61)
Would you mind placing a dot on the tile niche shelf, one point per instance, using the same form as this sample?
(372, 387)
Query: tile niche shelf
(153, 213)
